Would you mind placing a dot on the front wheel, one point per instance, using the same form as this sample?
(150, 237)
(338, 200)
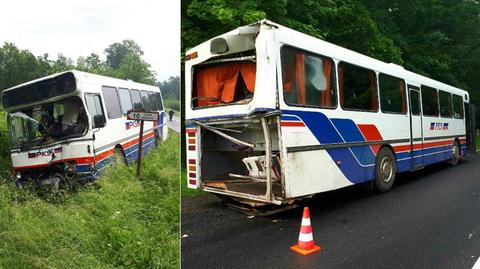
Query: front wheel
(455, 154)
(385, 170)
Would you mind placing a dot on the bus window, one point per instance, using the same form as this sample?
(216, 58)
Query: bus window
(415, 102)
(136, 101)
(125, 100)
(113, 105)
(358, 87)
(94, 104)
(308, 79)
(158, 99)
(445, 99)
(145, 101)
(457, 106)
(392, 94)
(151, 100)
(429, 101)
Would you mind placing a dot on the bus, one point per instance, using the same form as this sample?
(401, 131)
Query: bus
(274, 116)
(70, 125)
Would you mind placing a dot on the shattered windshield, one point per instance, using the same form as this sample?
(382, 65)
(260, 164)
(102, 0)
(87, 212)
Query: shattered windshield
(47, 123)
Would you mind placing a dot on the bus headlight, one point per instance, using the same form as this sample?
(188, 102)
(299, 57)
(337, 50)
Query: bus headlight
(18, 175)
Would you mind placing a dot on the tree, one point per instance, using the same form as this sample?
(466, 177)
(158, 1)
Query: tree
(135, 68)
(117, 51)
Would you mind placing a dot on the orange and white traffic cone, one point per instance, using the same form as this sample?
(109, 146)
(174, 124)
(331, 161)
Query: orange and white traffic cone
(305, 245)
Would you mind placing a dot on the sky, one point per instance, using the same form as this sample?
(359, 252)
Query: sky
(78, 28)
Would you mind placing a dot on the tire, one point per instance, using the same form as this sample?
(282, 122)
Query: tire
(158, 139)
(119, 157)
(455, 154)
(385, 170)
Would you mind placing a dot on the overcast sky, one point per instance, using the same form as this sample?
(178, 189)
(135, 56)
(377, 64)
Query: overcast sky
(77, 28)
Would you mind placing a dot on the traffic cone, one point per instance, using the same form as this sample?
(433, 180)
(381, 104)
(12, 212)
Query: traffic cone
(305, 245)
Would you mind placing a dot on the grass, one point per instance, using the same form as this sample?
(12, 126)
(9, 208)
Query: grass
(478, 141)
(119, 221)
(186, 192)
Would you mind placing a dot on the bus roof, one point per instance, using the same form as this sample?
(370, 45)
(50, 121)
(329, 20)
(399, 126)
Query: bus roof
(80, 75)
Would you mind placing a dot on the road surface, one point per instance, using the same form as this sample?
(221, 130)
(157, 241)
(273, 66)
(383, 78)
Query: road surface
(174, 124)
(430, 219)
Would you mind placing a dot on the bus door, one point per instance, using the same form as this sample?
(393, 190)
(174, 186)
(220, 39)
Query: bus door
(416, 130)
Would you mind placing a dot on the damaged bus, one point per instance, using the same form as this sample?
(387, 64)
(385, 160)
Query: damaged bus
(70, 125)
(274, 116)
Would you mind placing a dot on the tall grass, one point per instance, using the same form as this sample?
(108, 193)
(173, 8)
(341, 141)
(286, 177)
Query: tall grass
(119, 221)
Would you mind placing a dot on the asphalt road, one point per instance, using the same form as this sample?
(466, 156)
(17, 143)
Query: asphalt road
(430, 219)
(174, 124)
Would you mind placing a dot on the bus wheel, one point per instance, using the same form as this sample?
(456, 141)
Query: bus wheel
(455, 154)
(158, 139)
(385, 169)
(118, 157)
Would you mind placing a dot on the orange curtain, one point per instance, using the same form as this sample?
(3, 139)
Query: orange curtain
(326, 96)
(373, 88)
(300, 78)
(219, 82)
(340, 82)
(402, 93)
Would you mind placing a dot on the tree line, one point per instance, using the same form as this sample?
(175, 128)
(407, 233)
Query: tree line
(123, 60)
(436, 38)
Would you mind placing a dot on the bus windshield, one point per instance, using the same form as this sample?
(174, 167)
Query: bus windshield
(47, 123)
(223, 84)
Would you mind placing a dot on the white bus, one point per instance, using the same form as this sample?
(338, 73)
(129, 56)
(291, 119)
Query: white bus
(71, 124)
(274, 116)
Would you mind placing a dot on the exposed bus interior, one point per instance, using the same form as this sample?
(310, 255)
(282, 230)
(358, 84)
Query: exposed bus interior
(234, 160)
(224, 80)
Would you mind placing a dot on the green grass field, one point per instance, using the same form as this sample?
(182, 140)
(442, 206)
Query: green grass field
(119, 221)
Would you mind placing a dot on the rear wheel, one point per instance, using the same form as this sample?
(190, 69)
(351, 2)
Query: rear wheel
(455, 153)
(385, 170)
(158, 139)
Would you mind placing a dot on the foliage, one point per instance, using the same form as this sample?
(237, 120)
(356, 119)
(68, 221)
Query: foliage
(440, 39)
(123, 60)
(119, 221)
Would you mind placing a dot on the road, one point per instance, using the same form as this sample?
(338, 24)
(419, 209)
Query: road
(430, 219)
(174, 124)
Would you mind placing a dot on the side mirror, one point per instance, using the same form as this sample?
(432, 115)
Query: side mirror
(99, 121)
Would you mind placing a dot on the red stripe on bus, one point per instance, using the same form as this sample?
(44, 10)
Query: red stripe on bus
(81, 160)
(292, 124)
(425, 145)
(371, 133)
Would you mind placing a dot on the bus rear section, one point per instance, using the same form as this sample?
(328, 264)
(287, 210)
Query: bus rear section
(232, 124)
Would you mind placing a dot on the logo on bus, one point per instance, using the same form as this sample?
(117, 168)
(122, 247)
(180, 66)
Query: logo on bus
(132, 124)
(43, 153)
(438, 126)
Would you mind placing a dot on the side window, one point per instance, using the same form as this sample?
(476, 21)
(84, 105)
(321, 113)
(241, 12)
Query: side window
(415, 102)
(94, 104)
(151, 99)
(125, 100)
(145, 101)
(358, 87)
(445, 99)
(308, 79)
(429, 101)
(392, 94)
(457, 106)
(158, 98)
(111, 102)
(136, 101)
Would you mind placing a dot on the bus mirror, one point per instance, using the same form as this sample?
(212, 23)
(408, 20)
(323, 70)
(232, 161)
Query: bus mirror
(98, 121)
(218, 46)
